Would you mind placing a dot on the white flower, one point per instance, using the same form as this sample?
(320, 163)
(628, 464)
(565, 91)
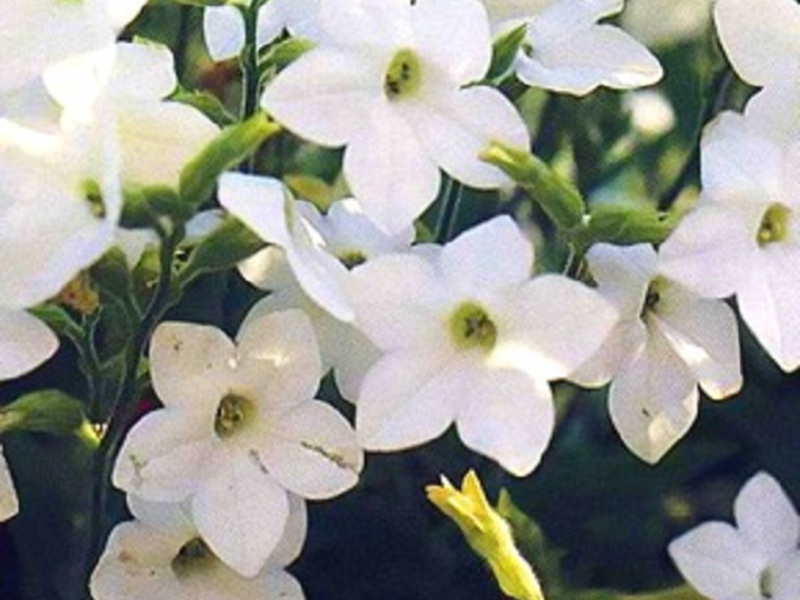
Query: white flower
(25, 343)
(37, 34)
(267, 207)
(126, 86)
(238, 430)
(743, 237)
(347, 234)
(9, 503)
(668, 342)
(469, 338)
(762, 41)
(59, 208)
(161, 556)
(224, 30)
(566, 50)
(755, 560)
(388, 82)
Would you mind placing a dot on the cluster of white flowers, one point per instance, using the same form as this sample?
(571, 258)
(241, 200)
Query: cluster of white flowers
(419, 336)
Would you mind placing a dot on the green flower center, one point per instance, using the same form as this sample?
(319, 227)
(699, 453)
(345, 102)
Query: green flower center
(93, 195)
(653, 296)
(233, 414)
(352, 258)
(193, 557)
(774, 225)
(404, 75)
(471, 327)
(765, 584)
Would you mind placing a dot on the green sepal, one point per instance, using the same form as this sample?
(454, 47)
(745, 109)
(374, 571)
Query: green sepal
(44, 411)
(504, 51)
(625, 224)
(228, 149)
(112, 275)
(559, 199)
(206, 103)
(285, 52)
(227, 245)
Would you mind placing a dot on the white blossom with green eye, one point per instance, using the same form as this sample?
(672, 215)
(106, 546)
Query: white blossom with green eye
(238, 431)
(743, 236)
(758, 559)
(348, 235)
(667, 342)
(38, 34)
(566, 50)
(161, 556)
(471, 339)
(390, 81)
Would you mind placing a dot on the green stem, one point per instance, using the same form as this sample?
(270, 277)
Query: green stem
(125, 406)
(445, 224)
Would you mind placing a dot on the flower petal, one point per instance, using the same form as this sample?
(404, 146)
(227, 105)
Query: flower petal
(406, 399)
(241, 512)
(313, 452)
(470, 261)
(622, 274)
(324, 95)
(454, 128)
(190, 366)
(507, 416)
(388, 170)
(261, 203)
(653, 400)
(9, 503)
(717, 561)
(25, 343)
(766, 518)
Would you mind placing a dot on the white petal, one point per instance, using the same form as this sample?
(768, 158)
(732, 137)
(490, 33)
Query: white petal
(653, 400)
(786, 577)
(367, 25)
(550, 327)
(158, 139)
(321, 276)
(278, 359)
(396, 301)
(704, 334)
(169, 519)
(324, 95)
(294, 534)
(144, 71)
(190, 366)
(455, 128)
(717, 561)
(281, 585)
(136, 565)
(260, 202)
(407, 399)
(766, 518)
(454, 35)
(766, 111)
(470, 261)
(25, 343)
(164, 456)
(506, 416)
(622, 274)
(388, 169)
(599, 55)
(768, 303)
(9, 503)
(760, 38)
(710, 251)
(241, 513)
(123, 12)
(223, 31)
(622, 346)
(313, 452)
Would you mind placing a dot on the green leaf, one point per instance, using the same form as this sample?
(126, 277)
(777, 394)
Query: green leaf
(45, 411)
(559, 199)
(227, 245)
(285, 52)
(504, 51)
(228, 149)
(206, 103)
